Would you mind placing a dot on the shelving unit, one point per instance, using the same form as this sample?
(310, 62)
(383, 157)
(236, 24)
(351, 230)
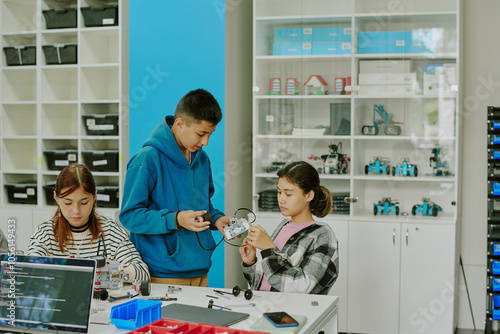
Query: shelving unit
(493, 237)
(428, 110)
(42, 105)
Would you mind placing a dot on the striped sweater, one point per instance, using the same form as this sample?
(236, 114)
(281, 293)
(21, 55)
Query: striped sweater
(118, 247)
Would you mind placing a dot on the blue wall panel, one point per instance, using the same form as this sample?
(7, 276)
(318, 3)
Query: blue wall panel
(175, 47)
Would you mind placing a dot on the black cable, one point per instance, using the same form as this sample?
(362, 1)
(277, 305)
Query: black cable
(208, 249)
(223, 238)
(467, 289)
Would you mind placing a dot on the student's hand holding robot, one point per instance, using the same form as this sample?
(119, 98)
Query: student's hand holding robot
(258, 238)
(188, 220)
(221, 222)
(248, 253)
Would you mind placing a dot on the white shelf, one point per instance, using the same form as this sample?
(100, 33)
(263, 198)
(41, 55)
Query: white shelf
(302, 97)
(42, 105)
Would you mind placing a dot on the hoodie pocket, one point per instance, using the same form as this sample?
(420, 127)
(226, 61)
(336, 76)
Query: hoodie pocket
(191, 254)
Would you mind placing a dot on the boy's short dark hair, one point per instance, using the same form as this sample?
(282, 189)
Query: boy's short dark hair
(199, 105)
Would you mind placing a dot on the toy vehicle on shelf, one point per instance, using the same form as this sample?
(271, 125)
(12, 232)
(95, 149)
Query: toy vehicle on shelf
(427, 208)
(385, 122)
(379, 165)
(405, 168)
(335, 162)
(386, 206)
(440, 168)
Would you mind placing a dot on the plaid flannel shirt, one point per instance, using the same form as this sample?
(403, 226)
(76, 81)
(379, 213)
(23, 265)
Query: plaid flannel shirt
(308, 262)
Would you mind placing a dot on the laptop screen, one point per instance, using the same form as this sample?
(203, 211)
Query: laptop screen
(45, 294)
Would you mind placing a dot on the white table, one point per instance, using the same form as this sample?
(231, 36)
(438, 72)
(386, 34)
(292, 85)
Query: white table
(320, 317)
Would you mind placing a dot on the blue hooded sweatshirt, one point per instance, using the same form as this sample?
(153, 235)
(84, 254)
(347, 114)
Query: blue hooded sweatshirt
(160, 182)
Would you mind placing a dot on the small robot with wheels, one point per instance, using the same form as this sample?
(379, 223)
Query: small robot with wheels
(405, 168)
(335, 162)
(385, 122)
(440, 168)
(386, 206)
(379, 165)
(427, 208)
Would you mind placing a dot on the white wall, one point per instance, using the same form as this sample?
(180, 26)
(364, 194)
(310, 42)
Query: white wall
(481, 88)
(238, 155)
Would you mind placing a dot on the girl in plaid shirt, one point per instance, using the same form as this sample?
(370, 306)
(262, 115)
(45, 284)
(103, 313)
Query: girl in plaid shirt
(301, 255)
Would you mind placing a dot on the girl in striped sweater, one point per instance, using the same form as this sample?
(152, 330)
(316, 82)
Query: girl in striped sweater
(77, 230)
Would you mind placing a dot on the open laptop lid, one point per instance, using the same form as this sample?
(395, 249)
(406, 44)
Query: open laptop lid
(201, 315)
(45, 294)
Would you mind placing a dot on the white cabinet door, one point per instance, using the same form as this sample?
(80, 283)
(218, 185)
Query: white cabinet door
(427, 278)
(373, 289)
(340, 287)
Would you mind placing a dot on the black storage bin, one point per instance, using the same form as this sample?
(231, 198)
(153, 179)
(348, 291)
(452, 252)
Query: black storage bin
(60, 54)
(107, 196)
(100, 16)
(17, 56)
(21, 193)
(49, 193)
(60, 19)
(101, 125)
(58, 159)
(101, 161)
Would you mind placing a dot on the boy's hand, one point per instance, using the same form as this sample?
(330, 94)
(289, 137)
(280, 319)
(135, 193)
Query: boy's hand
(248, 253)
(187, 219)
(221, 222)
(258, 238)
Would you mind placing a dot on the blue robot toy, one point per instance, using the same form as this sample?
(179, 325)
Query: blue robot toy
(405, 168)
(386, 206)
(379, 165)
(427, 208)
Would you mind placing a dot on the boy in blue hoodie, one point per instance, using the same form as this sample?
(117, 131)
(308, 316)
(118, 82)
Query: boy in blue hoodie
(168, 184)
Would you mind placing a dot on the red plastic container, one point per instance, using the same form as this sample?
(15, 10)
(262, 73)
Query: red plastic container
(167, 326)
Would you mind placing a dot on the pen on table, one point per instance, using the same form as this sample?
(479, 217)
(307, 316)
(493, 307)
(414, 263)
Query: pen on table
(221, 293)
(212, 296)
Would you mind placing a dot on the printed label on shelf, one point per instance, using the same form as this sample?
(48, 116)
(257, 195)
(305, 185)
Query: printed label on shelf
(102, 127)
(90, 122)
(108, 21)
(103, 197)
(20, 195)
(61, 162)
(72, 157)
(30, 191)
(100, 162)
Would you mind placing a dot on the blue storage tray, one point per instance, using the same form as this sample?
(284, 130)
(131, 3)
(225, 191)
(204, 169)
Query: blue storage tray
(135, 313)
(291, 35)
(495, 268)
(495, 283)
(331, 34)
(333, 48)
(495, 307)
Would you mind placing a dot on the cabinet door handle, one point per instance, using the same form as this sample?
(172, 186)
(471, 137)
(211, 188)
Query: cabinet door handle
(406, 237)
(394, 236)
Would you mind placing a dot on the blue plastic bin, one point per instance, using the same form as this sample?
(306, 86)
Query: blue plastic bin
(495, 283)
(495, 307)
(135, 313)
(495, 268)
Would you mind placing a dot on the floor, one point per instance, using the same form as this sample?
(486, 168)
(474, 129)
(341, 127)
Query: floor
(469, 331)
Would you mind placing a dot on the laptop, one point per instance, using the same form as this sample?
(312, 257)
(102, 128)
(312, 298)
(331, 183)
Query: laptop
(201, 315)
(45, 294)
